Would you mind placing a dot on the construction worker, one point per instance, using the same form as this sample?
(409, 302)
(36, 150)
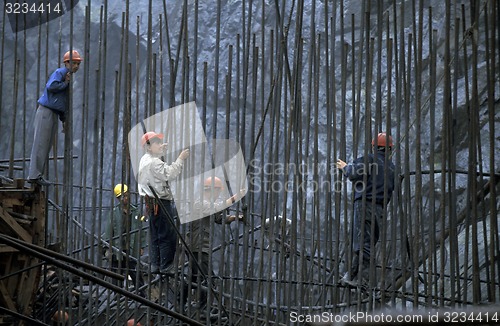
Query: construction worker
(153, 178)
(370, 199)
(52, 104)
(59, 318)
(198, 238)
(132, 322)
(125, 231)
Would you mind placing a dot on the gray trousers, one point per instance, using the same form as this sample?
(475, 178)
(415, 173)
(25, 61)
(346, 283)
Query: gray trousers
(45, 125)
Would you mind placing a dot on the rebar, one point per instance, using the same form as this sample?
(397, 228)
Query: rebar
(299, 84)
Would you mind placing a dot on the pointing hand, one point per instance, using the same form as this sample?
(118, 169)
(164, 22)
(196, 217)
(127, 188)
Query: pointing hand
(340, 164)
(184, 154)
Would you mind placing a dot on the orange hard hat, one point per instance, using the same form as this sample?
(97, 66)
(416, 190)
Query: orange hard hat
(131, 322)
(381, 140)
(216, 182)
(75, 56)
(150, 135)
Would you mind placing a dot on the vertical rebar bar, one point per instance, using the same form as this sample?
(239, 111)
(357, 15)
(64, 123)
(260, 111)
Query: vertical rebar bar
(490, 20)
(395, 72)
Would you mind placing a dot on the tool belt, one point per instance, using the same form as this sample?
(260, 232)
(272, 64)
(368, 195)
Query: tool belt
(152, 205)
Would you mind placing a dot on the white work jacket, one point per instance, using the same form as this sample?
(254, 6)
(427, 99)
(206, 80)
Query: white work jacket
(153, 171)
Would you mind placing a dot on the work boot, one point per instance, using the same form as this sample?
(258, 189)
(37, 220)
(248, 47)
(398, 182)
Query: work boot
(347, 281)
(365, 277)
(170, 270)
(40, 181)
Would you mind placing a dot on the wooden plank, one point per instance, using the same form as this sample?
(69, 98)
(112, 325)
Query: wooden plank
(11, 266)
(14, 226)
(30, 281)
(28, 284)
(5, 297)
(38, 210)
(11, 202)
(7, 249)
(19, 183)
(30, 202)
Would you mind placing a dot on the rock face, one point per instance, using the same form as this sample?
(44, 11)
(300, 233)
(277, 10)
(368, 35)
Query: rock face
(319, 88)
(34, 44)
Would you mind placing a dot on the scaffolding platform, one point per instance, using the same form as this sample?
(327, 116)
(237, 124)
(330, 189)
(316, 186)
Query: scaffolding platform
(22, 218)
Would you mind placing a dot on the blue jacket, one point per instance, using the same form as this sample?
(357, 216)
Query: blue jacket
(56, 93)
(375, 171)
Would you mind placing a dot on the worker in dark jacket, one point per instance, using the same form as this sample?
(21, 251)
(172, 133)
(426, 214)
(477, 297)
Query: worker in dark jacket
(373, 183)
(52, 104)
(125, 231)
(198, 238)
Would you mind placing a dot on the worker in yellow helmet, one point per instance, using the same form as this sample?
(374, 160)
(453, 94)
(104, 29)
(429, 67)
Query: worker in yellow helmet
(125, 232)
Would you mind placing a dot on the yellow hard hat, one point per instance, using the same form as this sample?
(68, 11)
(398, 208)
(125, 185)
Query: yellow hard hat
(118, 189)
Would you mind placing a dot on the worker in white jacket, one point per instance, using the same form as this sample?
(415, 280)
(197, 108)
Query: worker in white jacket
(156, 173)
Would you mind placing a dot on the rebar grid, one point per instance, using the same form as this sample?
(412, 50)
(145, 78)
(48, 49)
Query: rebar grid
(298, 85)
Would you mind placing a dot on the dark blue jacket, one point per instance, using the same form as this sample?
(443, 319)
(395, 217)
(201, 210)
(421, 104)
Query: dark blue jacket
(56, 93)
(375, 171)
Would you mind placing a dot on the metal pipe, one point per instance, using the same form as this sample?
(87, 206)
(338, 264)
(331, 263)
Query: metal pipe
(38, 253)
(64, 258)
(19, 316)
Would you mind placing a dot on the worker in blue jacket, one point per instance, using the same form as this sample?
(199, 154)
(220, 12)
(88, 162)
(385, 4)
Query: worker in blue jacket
(372, 178)
(53, 104)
